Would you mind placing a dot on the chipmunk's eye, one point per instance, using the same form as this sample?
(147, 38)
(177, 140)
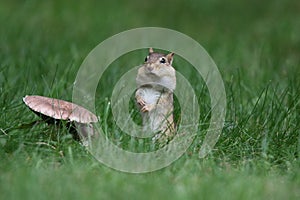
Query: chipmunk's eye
(162, 60)
(147, 58)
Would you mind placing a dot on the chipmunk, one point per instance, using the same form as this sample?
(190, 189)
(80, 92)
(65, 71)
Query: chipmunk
(156, 81)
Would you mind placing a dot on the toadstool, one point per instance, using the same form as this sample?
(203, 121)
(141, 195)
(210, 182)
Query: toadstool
(54, 110)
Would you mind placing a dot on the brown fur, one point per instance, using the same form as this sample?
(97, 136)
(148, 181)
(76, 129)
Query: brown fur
(156, 81)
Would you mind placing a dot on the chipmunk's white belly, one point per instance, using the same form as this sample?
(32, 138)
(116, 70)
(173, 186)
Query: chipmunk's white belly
(151, 95)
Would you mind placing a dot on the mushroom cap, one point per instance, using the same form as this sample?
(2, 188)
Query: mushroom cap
(59, 109)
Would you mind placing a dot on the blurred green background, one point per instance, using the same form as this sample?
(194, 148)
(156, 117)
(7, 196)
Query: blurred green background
(256, 46)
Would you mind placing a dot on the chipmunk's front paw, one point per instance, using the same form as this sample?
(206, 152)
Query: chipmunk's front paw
(141, 102)
(147, 108)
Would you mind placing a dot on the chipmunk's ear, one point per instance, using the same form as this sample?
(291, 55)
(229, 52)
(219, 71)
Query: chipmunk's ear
(170, 58)
(151, 50)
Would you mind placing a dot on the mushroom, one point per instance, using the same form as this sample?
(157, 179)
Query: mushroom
(54, 110)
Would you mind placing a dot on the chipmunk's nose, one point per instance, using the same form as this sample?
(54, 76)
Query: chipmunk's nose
(150, 67)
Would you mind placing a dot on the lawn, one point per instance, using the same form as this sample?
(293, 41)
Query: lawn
(256, 46)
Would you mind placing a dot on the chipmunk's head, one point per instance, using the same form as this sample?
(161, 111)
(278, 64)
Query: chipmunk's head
(155, 61)
(157, 69)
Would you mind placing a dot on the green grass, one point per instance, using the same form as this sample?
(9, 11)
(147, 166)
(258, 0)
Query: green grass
(256, 47)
